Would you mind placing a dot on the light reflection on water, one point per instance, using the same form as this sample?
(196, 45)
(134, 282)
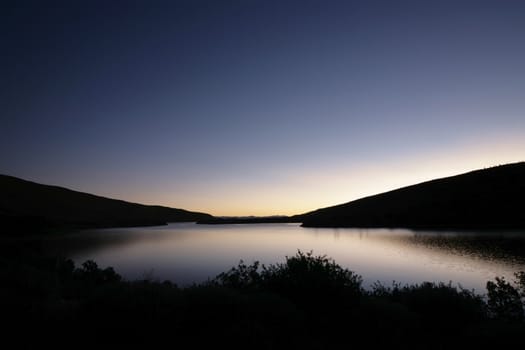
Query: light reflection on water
(187, 253)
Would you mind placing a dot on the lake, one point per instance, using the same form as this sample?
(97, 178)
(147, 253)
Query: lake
(185, 252)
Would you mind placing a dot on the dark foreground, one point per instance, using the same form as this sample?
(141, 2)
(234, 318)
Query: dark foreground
(309, 302)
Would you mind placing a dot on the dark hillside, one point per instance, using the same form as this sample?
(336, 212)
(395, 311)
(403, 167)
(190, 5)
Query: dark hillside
(26, 206)
(488, 198)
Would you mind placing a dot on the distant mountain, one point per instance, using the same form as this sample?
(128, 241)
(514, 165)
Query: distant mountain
(488, 198)
(27, 206)
(250, 220)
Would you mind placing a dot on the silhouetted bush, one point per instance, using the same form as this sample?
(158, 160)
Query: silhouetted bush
(431, 310)
(504, 301)
(520, 282)
(436, 300)
(314, 275)
(306, 302)
(305, 279)
(242, 276)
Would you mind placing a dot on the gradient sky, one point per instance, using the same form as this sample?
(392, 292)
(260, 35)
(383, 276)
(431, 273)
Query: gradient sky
(258, 107)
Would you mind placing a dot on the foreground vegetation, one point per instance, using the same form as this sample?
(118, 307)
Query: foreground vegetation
(306, 302)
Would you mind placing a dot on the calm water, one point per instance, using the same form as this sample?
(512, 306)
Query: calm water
(187, 253)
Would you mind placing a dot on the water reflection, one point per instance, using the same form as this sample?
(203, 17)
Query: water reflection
(509, 246)
(187, 253)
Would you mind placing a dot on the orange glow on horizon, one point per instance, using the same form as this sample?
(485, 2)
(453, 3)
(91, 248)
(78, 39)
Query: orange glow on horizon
(299, 191)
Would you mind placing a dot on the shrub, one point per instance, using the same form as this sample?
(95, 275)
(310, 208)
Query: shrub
(306, 274)
(241, 277)
(437, 303)
(504, 301)
(304, 279)
(520, 282)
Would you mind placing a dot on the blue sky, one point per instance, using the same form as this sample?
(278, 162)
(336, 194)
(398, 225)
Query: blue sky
(258, 107)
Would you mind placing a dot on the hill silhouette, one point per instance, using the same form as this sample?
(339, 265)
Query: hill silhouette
(28, 206)
(487, 199)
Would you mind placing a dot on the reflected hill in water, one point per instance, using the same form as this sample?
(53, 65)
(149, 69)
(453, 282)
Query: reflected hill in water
(506, 246)
(482, 199)
(31, 207)
(488, 245)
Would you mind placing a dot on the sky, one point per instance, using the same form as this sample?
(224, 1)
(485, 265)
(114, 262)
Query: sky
(258, 107)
